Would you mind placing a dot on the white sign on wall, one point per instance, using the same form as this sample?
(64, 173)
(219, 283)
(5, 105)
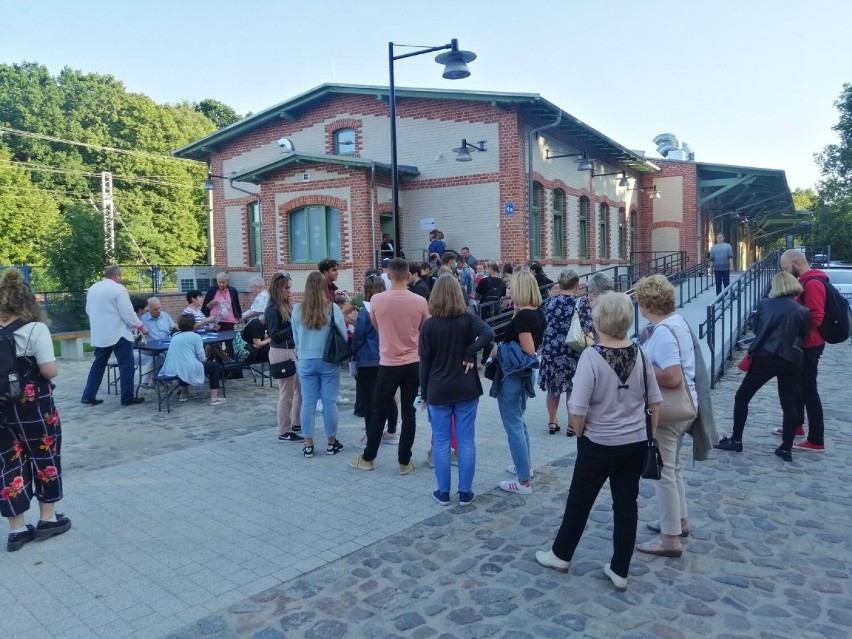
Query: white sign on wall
(427, 223)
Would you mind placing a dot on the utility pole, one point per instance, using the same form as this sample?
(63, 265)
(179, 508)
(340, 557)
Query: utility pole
(109, 216)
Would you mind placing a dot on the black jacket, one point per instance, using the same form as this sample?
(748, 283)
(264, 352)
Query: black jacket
(780, 326)
(422, 289)
(235, 302)
(280, 332)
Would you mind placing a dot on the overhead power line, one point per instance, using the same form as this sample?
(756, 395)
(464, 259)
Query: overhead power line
(124, 178)
(97, 147)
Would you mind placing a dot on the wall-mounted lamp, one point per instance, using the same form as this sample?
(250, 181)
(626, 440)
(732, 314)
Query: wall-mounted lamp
(653, 193)
(547, 155)
(623, 182)
(462, 152)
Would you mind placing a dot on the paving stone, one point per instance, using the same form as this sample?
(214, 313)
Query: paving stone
(498, 608)
(408, 621)
(463, 616)
(572, 621)
(732, 580)
(326, 629)
(698, 608)
(489, 595)
(699, 592)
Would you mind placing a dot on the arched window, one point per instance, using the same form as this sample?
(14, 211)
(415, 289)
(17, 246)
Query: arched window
(603, 230)
(535, 222)
(314, 234)
(584, 227)
(344, 142)
(558, 223)
(622, 232)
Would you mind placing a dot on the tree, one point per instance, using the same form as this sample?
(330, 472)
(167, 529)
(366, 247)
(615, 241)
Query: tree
(833, 215)
(220, 114)
(76, 254)
(805, 199)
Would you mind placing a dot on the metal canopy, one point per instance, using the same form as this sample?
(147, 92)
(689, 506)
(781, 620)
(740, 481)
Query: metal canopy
(758, 196)
(257, 174)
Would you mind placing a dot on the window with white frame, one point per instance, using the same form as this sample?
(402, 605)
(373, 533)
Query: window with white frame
(314, 234)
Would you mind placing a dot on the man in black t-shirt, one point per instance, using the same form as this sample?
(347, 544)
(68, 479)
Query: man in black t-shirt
(490, 291)
(416, 283)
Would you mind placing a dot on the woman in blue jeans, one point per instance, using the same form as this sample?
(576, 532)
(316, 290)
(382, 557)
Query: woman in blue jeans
(525, 330)
(312, 320)
(449, 383)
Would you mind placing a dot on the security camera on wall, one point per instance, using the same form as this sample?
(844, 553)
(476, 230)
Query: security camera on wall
(286, 145)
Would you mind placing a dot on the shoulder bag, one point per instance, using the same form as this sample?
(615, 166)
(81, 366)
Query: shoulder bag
(337, 347)
(653, 466)
(677, 405)
(576, 339)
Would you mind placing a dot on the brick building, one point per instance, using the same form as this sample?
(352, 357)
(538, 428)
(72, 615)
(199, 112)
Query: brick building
(310, 178)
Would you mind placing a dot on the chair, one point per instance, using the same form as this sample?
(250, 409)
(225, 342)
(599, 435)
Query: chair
(165, 384)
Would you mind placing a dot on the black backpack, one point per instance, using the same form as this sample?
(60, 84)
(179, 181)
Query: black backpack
(491, 302)
(837, 324)
(11, 378)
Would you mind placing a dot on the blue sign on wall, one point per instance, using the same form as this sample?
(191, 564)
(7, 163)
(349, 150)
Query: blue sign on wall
(510, 208)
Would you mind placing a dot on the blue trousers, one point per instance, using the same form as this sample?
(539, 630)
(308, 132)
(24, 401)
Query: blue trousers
(123, 350)
(441, 417)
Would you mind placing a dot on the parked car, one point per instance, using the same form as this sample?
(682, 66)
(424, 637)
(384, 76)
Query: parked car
(820, 260)
(841, 277)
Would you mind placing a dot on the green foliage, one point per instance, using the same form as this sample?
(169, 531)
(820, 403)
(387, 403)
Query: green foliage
(833, 214)
(805, 199)
(218, 113)
(160, 202)
(76, 256)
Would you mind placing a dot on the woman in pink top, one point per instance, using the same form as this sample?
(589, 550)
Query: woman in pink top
(607, 413)
(223, 301)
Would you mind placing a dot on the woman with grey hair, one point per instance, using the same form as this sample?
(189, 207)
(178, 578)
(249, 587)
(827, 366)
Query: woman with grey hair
(596, 285)
(260, 299)
(558, 360)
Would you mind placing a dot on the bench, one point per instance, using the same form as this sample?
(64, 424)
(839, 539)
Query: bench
(71, 343)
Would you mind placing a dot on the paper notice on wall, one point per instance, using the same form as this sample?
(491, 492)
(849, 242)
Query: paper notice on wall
(427, 223)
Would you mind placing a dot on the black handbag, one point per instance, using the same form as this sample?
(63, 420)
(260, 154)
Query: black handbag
(282, 370)
(492, 365)
(337, 347)
(653, 466)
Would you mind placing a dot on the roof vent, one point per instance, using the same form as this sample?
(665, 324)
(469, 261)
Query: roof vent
(672, 149)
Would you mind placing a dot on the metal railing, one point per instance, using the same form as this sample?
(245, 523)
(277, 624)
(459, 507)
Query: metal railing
(729, 313)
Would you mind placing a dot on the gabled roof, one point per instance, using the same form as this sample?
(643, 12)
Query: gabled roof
(257, 174)
(536, 109)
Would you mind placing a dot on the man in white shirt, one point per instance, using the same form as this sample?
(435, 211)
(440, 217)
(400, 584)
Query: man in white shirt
(261, 299)
(112, 322)
(160, 326)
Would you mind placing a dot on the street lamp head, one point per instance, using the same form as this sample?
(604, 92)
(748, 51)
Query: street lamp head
(585, 165)
(208, 183)
(455, 62)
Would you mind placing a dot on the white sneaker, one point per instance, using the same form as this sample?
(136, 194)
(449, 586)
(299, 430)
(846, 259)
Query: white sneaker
(515, 487)
(342, 400)
(218, 401)
(319, 405)
(390, 438)
(620, 583)
(549, 560)
(514, 471)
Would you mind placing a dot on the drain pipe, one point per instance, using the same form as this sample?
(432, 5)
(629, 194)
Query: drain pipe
(373, 211)
(530, 185)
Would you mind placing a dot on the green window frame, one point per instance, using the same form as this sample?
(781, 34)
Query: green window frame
(314, 234)
(344, 142)
(603, 230)
(558, 223)
(584, 227)
(535, 222)
(254, 233)
(622, 232)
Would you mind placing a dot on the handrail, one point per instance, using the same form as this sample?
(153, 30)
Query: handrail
(731, 309)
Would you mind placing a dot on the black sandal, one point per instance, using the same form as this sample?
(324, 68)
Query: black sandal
(553, 428)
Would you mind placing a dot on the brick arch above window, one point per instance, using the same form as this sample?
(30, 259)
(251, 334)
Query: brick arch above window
(314, 200)
(343, 123)
(287, 209)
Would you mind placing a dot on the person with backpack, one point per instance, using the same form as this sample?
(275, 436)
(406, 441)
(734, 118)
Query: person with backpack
(814, 288)
(30, 429)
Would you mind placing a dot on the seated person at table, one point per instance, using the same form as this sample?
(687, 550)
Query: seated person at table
(194, 299)
(256, 341)
(185, 360)
(160, 326)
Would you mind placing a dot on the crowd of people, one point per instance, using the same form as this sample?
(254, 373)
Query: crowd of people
(419, 339)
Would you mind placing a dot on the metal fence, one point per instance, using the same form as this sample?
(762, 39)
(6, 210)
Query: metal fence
(729, 314)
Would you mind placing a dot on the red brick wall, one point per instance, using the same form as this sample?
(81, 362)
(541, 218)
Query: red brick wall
(689, 231)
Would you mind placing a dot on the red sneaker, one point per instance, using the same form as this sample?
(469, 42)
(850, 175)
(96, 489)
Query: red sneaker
(806, 445)
(800, 431)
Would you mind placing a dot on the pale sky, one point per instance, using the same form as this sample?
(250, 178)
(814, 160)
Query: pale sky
(747, 82)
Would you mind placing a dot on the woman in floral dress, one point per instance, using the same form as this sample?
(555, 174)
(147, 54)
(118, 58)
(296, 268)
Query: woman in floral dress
(30, 432)
(558, 360)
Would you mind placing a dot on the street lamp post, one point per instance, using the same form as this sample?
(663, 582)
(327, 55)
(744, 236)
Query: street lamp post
(455, 68)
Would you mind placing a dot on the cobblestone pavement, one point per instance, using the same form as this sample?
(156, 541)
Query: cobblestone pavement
(769, 556)
(201, 524)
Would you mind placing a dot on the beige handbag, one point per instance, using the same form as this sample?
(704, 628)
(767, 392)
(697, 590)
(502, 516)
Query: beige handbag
(677, 405)
(576, 339)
